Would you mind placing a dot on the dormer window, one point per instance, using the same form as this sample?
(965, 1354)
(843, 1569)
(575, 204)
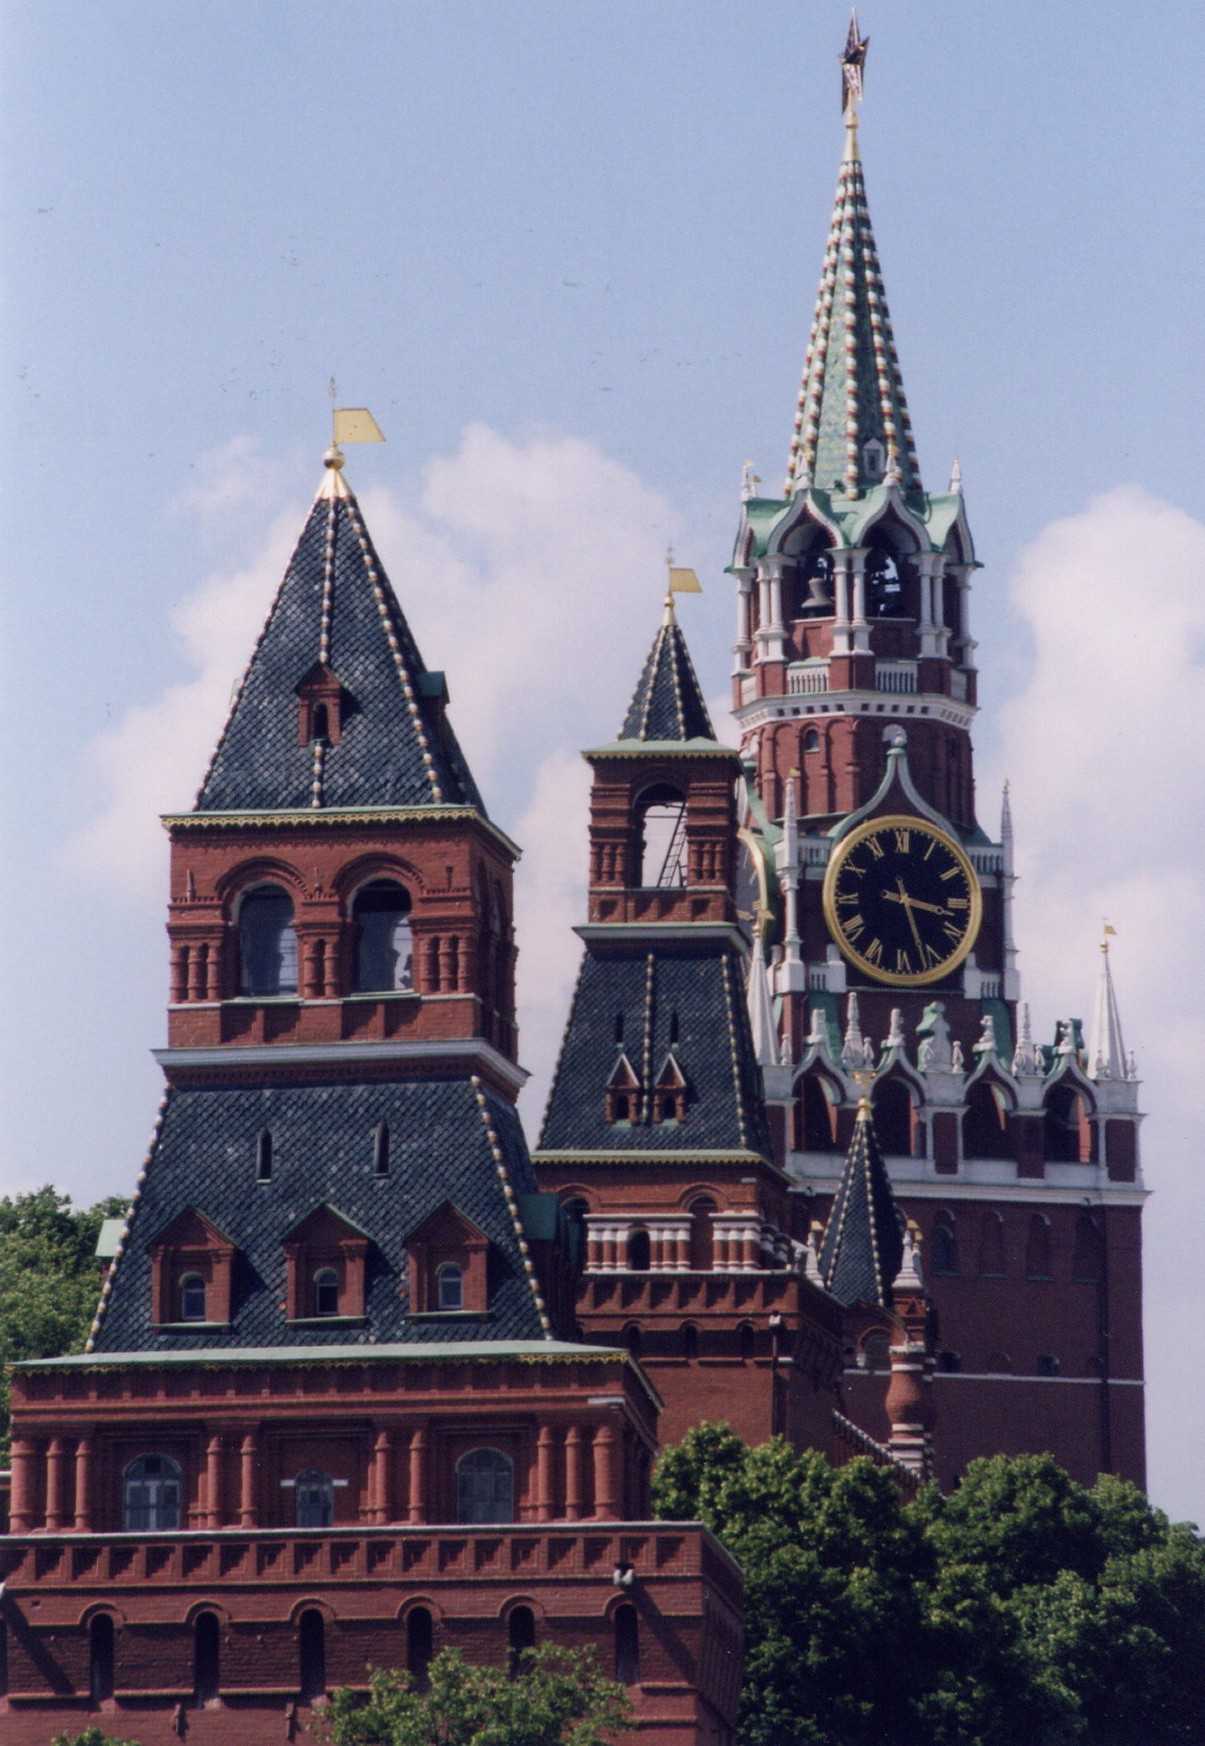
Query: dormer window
(874, 458)
(450, 1286)
(326, 1259)
(621, 1102)
(263, 1157)
(380, 1149)
(669, 1093)
(320, 707)
(326, 1292)
(192, 1298)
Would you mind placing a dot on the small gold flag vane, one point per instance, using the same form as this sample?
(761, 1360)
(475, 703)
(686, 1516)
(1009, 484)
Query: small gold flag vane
(683, 581)
(355, 424)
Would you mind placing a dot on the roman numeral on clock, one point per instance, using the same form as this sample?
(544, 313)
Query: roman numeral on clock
(952, 933)
(903, 964)
(903, 840)
(876, 848)
(853, 928)
(874, 952)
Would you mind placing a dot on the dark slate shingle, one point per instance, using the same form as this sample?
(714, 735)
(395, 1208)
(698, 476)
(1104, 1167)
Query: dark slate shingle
(704, 988)
(259, 764)
(323, 1154)
(863, 1245)
(668, 704)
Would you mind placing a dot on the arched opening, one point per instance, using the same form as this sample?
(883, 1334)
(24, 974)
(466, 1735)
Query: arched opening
(192, 1298)
(661, 836)
(267, 943)
(1066, 1130)
(1087, 1257)
(485, 1487)
(151, 1493)
(575, 1215)
(326, 1292)
(892, 587)
(101, 1656)
(384, 942)
(627, 1645)
(521, 1631)
(1048, 1364)
(311, 1655)
(893, 1121)
(420, 1646)
(206, 1659)
(633, 1339)
(1037, 1249)
(875, 1353)
(811, 740)
(985, 1124)
(320, 723)
(991, 1246)
(702, 1236)
(690, 1340)
(315, 1492)
(817, 1113)
(945, 1244)
(263, 1157)
(638, 1251)
(745, 1342)
(949, 1363)
(449, 1286)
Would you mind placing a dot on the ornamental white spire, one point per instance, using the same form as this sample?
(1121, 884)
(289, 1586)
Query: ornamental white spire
(854, 1052)
(1107, 1057)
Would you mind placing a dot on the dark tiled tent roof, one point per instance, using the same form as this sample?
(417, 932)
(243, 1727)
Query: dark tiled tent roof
(668, 704)
(336, 605)
(322, 1153)
(704, 989)
(863, 1245)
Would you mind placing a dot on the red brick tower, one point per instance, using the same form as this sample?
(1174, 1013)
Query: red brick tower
(655, 1137)
(331, 1412)
(883, 912)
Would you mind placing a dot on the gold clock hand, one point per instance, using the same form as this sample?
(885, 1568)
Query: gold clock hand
(907, 903)
(916, 903)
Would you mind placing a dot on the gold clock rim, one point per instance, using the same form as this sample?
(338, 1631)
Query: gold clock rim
(841, 852)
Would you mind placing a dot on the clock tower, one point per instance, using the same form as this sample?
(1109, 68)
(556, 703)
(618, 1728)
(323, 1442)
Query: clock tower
(882, 912)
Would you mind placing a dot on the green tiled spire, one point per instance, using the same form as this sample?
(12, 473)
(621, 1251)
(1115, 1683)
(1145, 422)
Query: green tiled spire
(852, 429)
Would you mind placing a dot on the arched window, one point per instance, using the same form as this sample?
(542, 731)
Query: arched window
(893, 1118)
(449, 1287)
(702, 1243)
(745, 1341)
(101, 1656)
(380, 1149)
(311, 1655)
(949, 1363)
(321, 728)
(384, 941)
(315, 1499)
(891, 588)
(876, 1352)
(985, 1124)
(661, 836)
(1087, 1256)
(326, 1292)
(633, 1339)
(521, 1630)
(1066, 1130)
(945, 1244)
(1048, 1364)
(818, 1114)
(192, 1298)
(638, 1251)
(627, 1645)
(263, 1157)
(690, 1340)
(991, 1245)
(811, 741)
(1037, 1248)
(206, 1659)
(420, 1646)
(267, 943)
(485, 1487)
(151, 1494)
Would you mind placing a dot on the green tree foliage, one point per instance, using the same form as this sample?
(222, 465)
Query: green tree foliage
(560, 1699)
(49, 1278)
(90, 1737)
(1023, 1606)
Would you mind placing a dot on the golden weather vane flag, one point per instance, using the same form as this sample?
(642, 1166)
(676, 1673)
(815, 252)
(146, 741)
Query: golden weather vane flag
(355, 424)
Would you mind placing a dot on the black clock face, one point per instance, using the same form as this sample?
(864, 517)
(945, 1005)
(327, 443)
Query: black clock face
(902, 901)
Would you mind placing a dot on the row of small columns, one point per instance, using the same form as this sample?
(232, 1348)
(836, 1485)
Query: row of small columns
(849, 572)
(737, 1245)
(564, 1450)
(440, 966)
(706, 862)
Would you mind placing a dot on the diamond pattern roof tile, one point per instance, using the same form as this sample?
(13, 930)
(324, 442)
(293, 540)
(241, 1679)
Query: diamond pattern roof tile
(668, 704)
(863, 1244)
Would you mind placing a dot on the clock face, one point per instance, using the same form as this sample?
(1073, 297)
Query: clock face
(902, 901)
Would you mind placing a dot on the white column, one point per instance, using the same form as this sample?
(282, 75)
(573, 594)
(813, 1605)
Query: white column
(742, 649)
(841, 603)
(931, 642)
(861, 630)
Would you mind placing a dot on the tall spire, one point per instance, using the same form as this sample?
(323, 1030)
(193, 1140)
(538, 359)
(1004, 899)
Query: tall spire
(852, 428)
(863, 1246)
(1106, 1047)
(668, 702)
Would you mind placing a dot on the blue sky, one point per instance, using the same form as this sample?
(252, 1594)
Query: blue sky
(589, 235)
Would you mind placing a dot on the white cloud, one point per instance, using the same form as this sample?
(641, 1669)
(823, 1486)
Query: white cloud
(1103, 747)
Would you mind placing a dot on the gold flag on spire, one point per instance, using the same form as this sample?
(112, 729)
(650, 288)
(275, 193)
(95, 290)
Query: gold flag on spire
(355, 424)
(682, 581)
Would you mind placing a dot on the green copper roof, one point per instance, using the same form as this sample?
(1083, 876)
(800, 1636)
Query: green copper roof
(852, 428)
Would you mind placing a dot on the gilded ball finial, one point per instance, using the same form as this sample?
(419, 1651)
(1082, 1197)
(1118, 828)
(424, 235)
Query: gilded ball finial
(334, 458)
